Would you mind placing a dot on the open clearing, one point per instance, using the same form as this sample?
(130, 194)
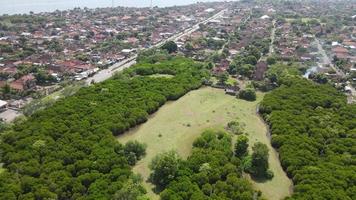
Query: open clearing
(177, 124)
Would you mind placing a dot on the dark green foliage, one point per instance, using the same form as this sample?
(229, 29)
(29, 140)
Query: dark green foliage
(223, 77)
(271, 60)
(68, 151)
(259, 160)
(278, 72)
(170, 46)
(164, 168)
(241, 146)
(153, 56)
(209, 173)
(314, 131)
(319, 78)
(130, 191)
(249, 94)
(134, 151)
(43, 78)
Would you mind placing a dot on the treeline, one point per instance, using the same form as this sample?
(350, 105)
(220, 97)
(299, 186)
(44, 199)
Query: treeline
(68, 151)
(314, 131)
(211, 172)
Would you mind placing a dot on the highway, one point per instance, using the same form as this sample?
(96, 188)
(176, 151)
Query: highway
(105, 74)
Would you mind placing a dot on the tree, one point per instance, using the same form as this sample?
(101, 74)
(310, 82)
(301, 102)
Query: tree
(236, 127)
(319, 78)
(223, 77)
(164, 168)
(271, 60)
(6, 89)
(241, 146)
(130, 191)
(248, 94)
(134, 151)
(250, 60)
(245, 70)
(259, 160)
(189, 46)
(42, 77)
(170, 46)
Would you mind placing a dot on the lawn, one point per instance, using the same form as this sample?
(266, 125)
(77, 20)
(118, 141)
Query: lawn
(161, 76)
(1, 169)
(177, 124)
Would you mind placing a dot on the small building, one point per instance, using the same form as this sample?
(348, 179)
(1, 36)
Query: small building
(3, 105)
(232, 90)
(24, 83)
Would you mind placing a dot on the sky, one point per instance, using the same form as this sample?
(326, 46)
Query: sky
(25, 6)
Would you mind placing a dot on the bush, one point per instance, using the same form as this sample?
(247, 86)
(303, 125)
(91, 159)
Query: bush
(241, 146)
(269, 174)
(248, 94)
(164, 168)
(134, 151)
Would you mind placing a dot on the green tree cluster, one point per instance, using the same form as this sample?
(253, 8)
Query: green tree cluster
(249, 93)
(68, 151)
(211, 172)
(313, 129)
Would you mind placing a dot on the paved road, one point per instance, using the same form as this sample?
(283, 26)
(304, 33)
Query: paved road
(273, 35)
(325, 60)
(117, 67)
(104, 74)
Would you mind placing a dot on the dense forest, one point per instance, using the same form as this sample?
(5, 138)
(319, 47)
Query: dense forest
(211, 172)
(314, 131)
(68, 151)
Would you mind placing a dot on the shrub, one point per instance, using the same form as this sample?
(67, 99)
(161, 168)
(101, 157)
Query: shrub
(248, 94)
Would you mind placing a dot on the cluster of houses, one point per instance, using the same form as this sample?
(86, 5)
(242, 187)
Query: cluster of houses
(291, 45)
(76, 43)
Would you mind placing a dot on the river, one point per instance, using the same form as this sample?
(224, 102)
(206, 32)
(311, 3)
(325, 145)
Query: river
(25, 6)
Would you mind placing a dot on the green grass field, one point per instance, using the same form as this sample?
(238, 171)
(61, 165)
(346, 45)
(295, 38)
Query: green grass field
(177, 124)
(161, 76)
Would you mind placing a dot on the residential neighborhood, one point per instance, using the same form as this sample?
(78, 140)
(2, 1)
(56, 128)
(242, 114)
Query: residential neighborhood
(42, 52)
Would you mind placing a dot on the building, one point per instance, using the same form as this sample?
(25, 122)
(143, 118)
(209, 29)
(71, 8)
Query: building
(3, 105)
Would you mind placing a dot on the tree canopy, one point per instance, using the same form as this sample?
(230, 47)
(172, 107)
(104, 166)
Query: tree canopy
(68, 151)
(314, 131)
(211, 172)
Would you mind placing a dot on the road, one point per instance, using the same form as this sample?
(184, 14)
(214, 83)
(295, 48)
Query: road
(273, 35)
(117, 67)
(325, 60)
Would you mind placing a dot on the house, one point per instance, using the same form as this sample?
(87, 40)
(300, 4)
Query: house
(340, 52)
(26, 82)
(3, 105)
(232, 90)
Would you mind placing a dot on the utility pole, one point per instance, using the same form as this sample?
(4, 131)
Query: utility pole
(112, 3)
(151, 5)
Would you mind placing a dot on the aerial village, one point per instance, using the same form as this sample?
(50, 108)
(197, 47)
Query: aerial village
(40, 53)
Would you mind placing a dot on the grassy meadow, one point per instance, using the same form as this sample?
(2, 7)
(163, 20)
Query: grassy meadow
(177, 124)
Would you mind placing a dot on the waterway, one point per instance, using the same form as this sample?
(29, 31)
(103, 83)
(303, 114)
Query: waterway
(25, 6)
